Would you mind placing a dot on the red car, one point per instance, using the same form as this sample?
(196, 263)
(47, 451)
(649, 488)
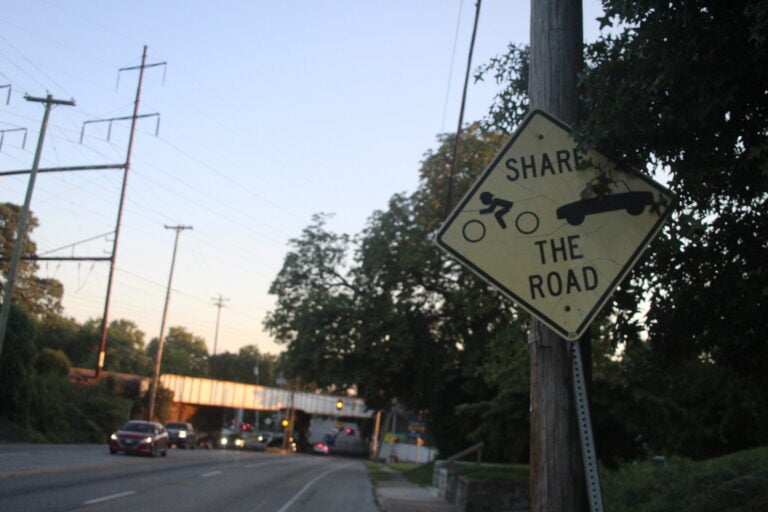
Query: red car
(136, 436)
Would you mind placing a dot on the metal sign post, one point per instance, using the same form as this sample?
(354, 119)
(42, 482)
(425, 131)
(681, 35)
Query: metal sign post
(585, 430)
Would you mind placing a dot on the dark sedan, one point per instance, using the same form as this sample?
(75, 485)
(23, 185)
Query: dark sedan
(141, 437)
(181, 434)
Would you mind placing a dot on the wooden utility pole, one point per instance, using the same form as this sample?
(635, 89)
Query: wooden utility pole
(161, 338)
(219, 304)
(21, 232)
(557, 474)
(126, 168)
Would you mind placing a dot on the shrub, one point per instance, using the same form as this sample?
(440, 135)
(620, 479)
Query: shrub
(53, 361)
(64, 413)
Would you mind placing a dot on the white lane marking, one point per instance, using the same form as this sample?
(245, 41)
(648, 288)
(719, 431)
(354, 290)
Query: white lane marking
(268, 463)
(110, 497)
(211, 473)
(309, 484)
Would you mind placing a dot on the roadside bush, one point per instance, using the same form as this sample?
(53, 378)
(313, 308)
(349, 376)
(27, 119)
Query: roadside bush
(16, 368)
(64, 413)
(734, 483)
(53, 361)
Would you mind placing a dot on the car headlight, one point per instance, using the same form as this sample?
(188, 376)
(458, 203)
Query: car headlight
(113, 437)
(239, 442)
(223, 441)
(147, 440)
(182, 434)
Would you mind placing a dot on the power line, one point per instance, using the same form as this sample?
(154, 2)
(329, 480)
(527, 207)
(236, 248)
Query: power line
(454, 161)
(450, 69)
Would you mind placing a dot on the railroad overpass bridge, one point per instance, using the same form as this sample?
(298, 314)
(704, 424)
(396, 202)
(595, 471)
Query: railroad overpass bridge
(235, 395)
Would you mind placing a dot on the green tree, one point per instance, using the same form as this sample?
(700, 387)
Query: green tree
(699, 113)
(40, 296)
(17, 365)
(393, 316)
(183, 353)
(60, 333)
(125, 351)
(690, 77)
(240, 367)
(53, 361)
(314, 308)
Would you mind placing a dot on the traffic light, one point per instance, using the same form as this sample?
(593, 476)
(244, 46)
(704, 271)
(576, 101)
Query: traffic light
(339, 404)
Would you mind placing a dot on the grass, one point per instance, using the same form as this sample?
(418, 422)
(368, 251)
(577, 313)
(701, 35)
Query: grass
(420, 474)
(376, 472)
(514, 473)
(734, 483)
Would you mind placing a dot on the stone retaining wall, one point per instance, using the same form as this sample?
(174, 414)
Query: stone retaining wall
(473, 495)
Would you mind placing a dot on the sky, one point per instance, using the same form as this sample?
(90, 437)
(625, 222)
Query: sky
(269, 112)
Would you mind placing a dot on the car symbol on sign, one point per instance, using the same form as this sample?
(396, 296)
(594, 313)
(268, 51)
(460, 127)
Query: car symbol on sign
(633, 202)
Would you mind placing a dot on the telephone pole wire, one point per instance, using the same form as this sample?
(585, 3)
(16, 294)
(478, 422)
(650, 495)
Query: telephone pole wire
(160, 339)
(24, 214)
(220, 304)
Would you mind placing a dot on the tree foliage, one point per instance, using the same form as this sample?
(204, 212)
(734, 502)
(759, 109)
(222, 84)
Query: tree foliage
(53, 361)
(393, 317)
(184, 353)
(17, 364)
(678, 89)
(40, 296)
(240, 367)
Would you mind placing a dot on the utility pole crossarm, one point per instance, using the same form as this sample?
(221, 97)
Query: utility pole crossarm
(121, 118)
(141, 67)
(101, 167)
(49, 100)
(11, 130)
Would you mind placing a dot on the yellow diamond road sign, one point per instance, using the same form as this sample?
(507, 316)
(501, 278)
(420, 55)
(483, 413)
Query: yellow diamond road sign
(533, 227)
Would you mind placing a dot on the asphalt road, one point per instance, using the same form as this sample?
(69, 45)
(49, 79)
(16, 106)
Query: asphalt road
(55, 478)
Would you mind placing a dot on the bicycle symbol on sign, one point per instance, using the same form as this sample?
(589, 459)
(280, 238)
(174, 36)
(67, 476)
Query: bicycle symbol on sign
(526, 222)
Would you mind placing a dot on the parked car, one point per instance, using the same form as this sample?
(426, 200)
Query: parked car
(181, 434)
(141, 437)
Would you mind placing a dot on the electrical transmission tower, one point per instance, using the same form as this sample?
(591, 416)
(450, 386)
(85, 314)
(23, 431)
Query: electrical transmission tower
(112, 258)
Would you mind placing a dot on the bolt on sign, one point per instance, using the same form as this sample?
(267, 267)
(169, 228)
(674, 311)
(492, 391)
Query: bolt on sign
(554, 229)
